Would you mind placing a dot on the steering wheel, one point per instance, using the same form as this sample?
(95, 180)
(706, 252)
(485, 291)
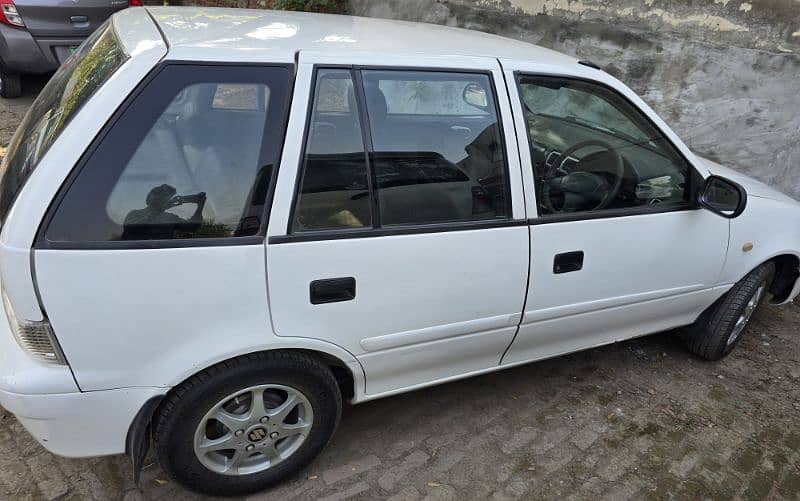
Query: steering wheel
(584, 185)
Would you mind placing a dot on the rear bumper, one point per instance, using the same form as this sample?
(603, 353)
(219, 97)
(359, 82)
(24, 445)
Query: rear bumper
(87, 424)
(20, 52)
(48, 403)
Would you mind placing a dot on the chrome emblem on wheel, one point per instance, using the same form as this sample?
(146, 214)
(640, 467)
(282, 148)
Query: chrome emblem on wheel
(257, 434)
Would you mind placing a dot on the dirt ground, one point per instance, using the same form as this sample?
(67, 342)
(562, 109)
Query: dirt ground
(640, 419)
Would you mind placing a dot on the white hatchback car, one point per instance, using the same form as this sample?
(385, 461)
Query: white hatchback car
(217, 225)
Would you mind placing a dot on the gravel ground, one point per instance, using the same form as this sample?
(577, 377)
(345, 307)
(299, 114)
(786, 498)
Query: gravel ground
(640, 419)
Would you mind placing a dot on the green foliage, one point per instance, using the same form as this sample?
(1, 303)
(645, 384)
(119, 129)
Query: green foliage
(310, 5)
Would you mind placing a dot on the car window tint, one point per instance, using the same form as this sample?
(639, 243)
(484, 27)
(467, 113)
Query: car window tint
(592, 150)
(334, 192)
(191, 158)
(437, 147)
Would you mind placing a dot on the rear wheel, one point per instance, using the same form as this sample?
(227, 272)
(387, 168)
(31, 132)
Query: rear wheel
(248, 423)
(10, 84)
(720, 329)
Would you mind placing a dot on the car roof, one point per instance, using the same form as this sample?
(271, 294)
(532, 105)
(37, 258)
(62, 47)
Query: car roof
(283, 33)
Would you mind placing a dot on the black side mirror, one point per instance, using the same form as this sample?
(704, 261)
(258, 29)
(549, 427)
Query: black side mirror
(723, 197)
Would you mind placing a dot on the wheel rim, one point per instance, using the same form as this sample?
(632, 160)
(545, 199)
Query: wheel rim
(253, 430)
(744, 318)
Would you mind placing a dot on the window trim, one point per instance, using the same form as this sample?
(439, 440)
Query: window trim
(377, 229)
(693, 180)
(42, 243)
(388, 231)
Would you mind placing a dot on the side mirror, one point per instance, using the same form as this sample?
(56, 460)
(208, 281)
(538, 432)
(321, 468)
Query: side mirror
(723, 197)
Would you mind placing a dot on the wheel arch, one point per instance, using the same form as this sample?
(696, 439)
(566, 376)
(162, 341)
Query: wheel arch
(346, 370)
(342, 363)
(786, 282)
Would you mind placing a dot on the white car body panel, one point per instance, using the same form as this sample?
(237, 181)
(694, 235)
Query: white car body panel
(415, 299)
(430, 307)
(656, 279)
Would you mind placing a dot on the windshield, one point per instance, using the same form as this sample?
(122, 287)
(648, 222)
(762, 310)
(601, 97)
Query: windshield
(71, 86)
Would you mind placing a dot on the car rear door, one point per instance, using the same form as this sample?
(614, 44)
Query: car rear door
(60, 18)
(398, 230)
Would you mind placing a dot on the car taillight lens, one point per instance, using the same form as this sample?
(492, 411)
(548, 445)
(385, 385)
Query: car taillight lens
(134, 3)
(36, 338)
(9, 14)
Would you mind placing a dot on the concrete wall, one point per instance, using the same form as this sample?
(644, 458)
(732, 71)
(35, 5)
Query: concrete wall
(725, 74)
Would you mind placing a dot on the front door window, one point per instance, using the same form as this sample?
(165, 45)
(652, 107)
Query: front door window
(593, 151)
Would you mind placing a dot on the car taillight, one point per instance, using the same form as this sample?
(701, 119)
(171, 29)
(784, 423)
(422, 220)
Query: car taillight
(134, 3)
(36, 338)
(9, 14)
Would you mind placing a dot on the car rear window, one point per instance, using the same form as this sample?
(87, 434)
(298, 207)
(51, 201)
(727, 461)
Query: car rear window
(71, 86)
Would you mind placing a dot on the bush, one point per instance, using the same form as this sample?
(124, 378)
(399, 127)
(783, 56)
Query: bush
(331, 6)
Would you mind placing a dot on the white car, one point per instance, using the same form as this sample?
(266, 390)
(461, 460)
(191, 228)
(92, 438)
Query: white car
(219, 225)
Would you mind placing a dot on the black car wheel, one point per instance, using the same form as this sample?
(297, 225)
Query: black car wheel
(248, 423)
(10, 85)
(720, 328)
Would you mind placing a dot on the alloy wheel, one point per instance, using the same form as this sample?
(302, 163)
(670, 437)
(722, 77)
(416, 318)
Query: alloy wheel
(253, 430)
(744, 318)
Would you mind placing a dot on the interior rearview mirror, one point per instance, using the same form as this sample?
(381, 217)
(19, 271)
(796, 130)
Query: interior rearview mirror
(723, 197)
(475, 95)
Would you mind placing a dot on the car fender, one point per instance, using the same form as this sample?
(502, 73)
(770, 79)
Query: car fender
(767, 229)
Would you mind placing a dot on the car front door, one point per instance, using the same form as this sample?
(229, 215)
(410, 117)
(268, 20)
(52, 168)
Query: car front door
(619, 249)
(400, 235)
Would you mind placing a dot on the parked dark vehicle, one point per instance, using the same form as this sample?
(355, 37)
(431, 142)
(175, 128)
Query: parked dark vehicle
(36, 36)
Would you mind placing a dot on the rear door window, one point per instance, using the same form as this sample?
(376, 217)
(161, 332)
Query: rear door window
(66, 92)
(192, 157)
(434, 151)
(334, 188)
(438, 149)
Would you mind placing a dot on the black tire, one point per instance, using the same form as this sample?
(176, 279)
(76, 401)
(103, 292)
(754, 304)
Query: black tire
(709, 337)
(182, 410)
(10, 85)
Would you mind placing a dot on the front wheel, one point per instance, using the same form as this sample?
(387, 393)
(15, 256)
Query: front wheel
(719, 329)
(248, 423)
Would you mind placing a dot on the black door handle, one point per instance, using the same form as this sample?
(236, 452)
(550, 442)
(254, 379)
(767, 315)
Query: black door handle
(568, 262)
(332, 290)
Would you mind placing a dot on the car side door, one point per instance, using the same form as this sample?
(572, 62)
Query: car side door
(399, 229)
(619, 248)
